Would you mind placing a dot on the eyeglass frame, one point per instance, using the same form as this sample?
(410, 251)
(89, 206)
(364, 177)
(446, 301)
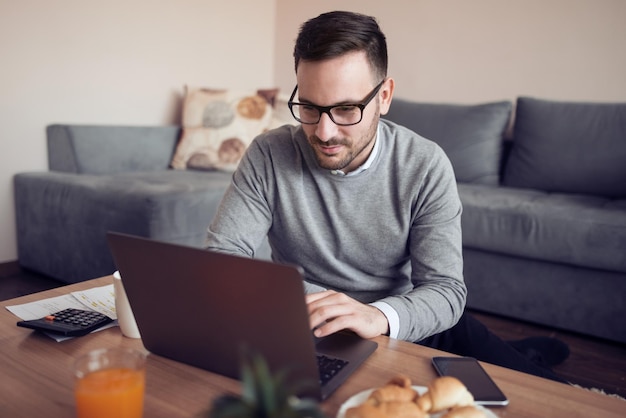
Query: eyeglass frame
(327, 109)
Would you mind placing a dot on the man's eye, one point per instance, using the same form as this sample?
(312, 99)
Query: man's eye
(345, 109)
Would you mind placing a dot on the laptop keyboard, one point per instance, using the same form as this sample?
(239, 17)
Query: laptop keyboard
(329, 367)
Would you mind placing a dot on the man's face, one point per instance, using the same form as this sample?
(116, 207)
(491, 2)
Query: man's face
(342, 80)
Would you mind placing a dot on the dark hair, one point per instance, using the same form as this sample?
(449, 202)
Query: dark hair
(336, 33)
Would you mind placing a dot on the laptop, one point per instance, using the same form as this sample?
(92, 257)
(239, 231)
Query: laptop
(205, 308)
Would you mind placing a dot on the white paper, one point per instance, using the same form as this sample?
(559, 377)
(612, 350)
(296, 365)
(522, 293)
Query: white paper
(41, 308)
(100, 299)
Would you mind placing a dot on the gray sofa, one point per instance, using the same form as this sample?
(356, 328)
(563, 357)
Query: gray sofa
(544, 213)
(544, 221)
(105, 178)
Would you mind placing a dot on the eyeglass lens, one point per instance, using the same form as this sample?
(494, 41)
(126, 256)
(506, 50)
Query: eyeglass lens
(341, 115)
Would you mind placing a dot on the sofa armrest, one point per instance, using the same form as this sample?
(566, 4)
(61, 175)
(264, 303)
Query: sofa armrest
(93, 149)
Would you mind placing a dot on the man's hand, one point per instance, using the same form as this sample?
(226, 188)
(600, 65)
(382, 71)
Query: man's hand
(331, 311)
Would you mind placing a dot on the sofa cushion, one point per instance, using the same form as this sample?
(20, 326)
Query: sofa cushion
(578, 230)
(471, 135)
(218, 126)
(95, 149)
(569, 147)
(62, 218)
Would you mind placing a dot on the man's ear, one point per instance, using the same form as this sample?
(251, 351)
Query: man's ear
(385, 95)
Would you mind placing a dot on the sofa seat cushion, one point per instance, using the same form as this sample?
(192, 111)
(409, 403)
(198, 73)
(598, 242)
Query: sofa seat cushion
(62, 218)
(578, 230)
(171, 205)
(175, 203)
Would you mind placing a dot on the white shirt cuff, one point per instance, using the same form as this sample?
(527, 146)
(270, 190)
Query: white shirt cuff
(392, 317)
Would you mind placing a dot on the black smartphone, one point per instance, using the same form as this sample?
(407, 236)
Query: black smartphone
(469, 371)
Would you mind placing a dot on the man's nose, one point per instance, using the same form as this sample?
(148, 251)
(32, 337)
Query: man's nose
(326, 129)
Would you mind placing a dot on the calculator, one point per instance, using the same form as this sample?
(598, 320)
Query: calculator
(68, 322)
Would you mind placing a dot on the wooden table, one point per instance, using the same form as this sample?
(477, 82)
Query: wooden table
(36, 378)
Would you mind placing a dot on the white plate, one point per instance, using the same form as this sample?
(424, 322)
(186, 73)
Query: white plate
(361, 397)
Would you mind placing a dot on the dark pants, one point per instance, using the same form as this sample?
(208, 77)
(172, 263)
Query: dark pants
(470, 338)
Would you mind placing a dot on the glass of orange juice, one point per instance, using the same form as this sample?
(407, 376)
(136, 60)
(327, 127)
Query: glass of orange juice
(110, 382)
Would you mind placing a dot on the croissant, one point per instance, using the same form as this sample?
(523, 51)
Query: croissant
(392, 393)
(366, 410)
(390, 409)
(395, 409)
(444, 393)
(394, 400)
(400, 380)
(397, 399)
(468, 411)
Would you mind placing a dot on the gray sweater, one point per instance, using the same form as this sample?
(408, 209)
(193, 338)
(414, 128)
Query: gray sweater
(390, 233)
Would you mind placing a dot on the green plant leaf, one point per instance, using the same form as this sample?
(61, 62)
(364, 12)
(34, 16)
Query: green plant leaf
(230, 406)
(266, 388)
(265, 395)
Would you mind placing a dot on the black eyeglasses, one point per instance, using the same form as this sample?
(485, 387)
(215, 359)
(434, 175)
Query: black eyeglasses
(343, 114)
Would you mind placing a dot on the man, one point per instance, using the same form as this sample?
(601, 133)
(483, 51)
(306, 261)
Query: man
(367, 208)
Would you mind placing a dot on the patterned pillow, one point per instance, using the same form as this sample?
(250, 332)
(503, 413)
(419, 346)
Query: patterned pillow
(218, 126)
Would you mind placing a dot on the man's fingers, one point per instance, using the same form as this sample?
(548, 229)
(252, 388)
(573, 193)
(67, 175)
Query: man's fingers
(313, 297)
(331, 311)
(330, 327)
(326, 313)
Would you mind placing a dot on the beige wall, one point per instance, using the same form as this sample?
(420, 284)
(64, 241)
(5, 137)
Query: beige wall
(480, 50)
(115, 62)
(125, 61)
